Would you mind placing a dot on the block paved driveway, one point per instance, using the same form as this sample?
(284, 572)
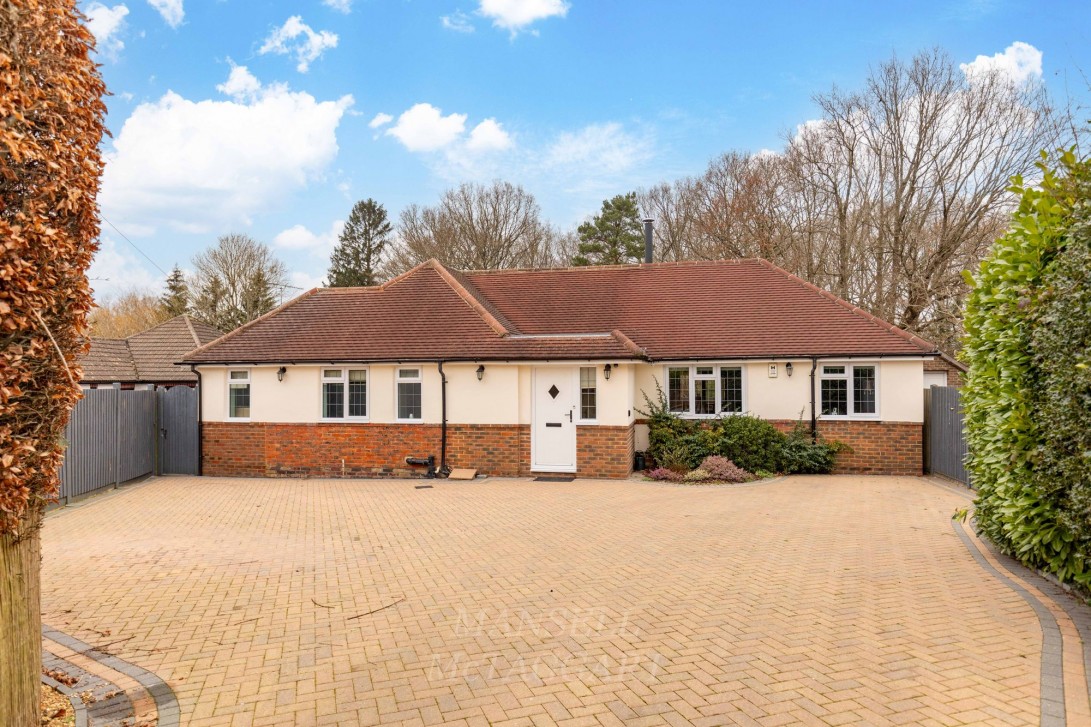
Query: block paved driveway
(820, 600)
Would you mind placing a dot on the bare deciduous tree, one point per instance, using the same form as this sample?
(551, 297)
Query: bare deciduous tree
(236, 281)
(127, 314)
(476, 227)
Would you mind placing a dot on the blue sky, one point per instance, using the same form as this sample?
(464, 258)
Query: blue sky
(272, 118)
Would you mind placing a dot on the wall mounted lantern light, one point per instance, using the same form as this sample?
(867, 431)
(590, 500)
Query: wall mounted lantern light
(606, 371)
(788, 368)
(481, 372)
(280, 373)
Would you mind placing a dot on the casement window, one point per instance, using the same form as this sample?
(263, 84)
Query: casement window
(705, 391)
(344, 393)
(408, 395)
(849, 390)
(588, 393)
(238, 394)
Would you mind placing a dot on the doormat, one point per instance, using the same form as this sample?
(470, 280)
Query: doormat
(422, 487)
(553, 479)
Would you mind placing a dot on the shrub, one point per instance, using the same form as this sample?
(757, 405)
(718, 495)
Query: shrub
(722, 469)
(662, 474)
(800, 455)
(749, 441)
(1026, 420)
(697, 475)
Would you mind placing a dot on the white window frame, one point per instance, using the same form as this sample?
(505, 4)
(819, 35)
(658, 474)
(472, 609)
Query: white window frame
(579, 396)
(344, 381)
(249, 381)
(848, 376)
(399, 379)
(715, 366)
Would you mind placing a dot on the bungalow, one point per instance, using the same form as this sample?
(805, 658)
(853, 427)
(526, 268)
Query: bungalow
(146, 359)
(514, 372)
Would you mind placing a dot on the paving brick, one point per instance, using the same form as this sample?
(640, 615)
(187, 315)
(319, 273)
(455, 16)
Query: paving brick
(813, 600)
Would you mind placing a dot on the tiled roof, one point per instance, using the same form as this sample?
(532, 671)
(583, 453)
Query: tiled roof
(148, 356)
(663, 311)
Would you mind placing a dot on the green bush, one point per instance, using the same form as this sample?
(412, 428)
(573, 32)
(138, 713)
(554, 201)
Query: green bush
(1025, 396)
(800, 455)
(750, 442)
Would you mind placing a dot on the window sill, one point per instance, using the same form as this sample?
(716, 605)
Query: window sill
(240, 420)
(850, 417)
(345, 420)
(409, 421)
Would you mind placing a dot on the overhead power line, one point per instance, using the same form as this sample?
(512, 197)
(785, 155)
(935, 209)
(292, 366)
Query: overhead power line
(134, 246)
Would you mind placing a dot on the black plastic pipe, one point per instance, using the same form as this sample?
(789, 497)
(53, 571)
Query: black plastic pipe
(443, 471)
(814, 412)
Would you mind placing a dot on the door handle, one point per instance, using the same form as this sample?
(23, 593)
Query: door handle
(570, 416)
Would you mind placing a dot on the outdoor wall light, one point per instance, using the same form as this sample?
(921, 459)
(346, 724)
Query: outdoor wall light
(606, 371)
(280, 373)
(788, 368)
(481, 372)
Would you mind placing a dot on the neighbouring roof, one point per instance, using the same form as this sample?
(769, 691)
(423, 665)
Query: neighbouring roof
(148, 356)
(659, 311)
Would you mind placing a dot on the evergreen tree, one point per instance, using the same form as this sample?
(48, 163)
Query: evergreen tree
(360, 247)
(175, 300)
(614, 236)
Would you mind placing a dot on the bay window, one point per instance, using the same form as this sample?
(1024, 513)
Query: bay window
(704, 391)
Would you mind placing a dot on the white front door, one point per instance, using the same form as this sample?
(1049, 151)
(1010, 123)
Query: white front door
(553, 433)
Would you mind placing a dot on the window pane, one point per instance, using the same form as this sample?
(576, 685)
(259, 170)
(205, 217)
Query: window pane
(731, 390)
(588, 393)
(835, 397)
(835, 370)
(409, 400)
(332, 373)
(408, 373)
(358, 393)
(704, 396)
(240, 375)
(863, 389)
(239, 400)
(333, 400)
(678, 390)
(704, 371)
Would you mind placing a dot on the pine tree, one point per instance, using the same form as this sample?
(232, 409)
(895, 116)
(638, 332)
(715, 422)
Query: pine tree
(360, 247)
(614, 236)
(176, 299)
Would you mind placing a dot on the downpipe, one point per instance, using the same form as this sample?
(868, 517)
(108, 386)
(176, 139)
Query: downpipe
(814, 410)
(430, 460)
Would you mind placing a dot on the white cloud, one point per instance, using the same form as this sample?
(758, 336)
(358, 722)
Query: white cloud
(240, 85)
(198, 166)
(1020, 61)
(489, 135)
(516, 15)
(299, 237)
(424, 128)
(459, 22)
(597, 148)
(302, 282)
(297, 38)
(380, 120)
(116, 270)
(171, 10)
(341, 6)
(106, 24)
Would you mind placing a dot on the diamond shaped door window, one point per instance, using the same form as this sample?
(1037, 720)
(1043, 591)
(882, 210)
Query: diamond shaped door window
(553, 391)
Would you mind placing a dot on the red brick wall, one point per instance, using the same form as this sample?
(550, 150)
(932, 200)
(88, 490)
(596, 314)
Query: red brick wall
(954, 374)
(876, 448)
(604, 451)
(251, 449)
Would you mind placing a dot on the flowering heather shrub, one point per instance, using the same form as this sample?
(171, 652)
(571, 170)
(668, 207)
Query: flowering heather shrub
(724, 470)
(662, 474)
(697, 475)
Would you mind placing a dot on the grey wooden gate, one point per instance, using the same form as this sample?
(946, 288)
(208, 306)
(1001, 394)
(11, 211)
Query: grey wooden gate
(111, 439)
(945, 437)
(178, 430)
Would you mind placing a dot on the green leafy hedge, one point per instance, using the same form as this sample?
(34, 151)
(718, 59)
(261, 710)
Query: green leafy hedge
(1027, 395)
(749, 441)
